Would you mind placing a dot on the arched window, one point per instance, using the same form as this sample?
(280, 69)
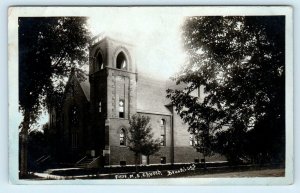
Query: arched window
(162, 132)
(122, 137)
(100, 107)
(99, 61)
(121, 62)
(74, 119)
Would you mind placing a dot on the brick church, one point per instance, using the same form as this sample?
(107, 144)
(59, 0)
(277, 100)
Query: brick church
(91, 124)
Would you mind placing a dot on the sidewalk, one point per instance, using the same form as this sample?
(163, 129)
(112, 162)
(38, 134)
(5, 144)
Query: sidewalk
(179, 173)
(241, 174)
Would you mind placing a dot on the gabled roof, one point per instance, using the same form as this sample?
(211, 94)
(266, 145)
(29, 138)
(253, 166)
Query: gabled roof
(85, 85)
(151, 95)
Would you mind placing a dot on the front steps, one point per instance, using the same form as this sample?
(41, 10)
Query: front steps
(88, 162)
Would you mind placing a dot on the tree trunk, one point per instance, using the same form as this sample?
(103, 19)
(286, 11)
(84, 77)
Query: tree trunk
(136, 155)
(204, 161)
(23, 147)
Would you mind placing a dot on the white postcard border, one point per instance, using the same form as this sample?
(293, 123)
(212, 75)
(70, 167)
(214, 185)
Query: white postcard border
(15, 12)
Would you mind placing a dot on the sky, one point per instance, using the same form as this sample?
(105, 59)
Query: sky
(157, 40)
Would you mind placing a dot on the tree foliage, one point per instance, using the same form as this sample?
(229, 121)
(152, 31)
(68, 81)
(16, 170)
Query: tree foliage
(240, 61)
(49, 47)
(140, 137)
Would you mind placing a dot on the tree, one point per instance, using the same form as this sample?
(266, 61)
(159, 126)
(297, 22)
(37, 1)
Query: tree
(38, 145)
(140, 137)
(49, 48)
(240, 61)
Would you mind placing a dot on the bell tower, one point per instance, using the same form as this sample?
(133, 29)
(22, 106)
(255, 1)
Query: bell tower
(112, 79)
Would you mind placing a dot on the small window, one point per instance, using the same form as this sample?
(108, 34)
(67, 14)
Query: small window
(163, 160)
(121, 108)
(196, 161)
(122, 137)
(162, 140)
(100, 107)
(121, 61)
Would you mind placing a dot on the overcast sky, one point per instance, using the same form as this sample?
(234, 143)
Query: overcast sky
(156, 37)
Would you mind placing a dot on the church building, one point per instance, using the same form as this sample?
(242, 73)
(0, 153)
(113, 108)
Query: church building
(92, 123)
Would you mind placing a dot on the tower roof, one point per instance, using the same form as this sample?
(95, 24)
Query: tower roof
(112, 36)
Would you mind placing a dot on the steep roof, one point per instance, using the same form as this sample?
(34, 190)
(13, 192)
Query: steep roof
(85, 85)
(151, 95)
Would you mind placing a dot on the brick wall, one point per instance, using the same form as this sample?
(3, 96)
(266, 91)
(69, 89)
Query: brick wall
(101, 47)
(121, 153)
(111, 84)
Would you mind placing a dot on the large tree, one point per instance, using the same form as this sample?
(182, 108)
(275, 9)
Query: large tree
(240, 62)
(49, 47)
(140, 137)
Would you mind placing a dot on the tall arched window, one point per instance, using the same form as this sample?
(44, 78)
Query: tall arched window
(99, 61)
(74, 123)
(122, 137)
(121, 62)
(74, 117)
(162, 132)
